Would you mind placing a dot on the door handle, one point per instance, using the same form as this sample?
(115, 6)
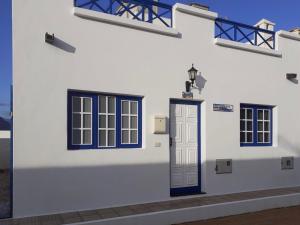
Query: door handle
(170, 141)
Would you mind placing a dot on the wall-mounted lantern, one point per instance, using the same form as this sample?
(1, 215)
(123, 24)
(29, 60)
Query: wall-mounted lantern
(291, 76)
(192, 74)
(190, 83)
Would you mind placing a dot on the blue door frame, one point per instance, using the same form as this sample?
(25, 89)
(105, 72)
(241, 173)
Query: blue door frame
(195, 189)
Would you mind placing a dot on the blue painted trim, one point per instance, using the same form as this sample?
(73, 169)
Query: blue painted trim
(95, 143)
(139, 144)
(118, 8)
(196, 189)
(255, 108)
(69, 119)
(250, 34)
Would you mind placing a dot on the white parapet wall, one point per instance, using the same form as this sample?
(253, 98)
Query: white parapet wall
(4, 150)
(99, 53)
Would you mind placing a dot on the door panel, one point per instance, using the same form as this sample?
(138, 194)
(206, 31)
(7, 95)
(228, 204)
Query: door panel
(184, 149)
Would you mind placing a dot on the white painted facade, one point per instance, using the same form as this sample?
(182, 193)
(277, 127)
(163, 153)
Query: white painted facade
(103, 53)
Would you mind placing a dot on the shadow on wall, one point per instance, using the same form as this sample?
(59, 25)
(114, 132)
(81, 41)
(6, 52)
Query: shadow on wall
(4, 194)
(50, 190)
(59, 43)
(200, 82)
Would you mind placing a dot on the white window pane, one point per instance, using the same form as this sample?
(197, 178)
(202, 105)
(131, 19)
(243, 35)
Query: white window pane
(111, 104)
(102, 121)
(133, 107)
(111, 121)
(76, 121)
(125, 136)
(133, 136)
(125, 121)
(133, 122)
(249, 114)
(76, 104)
(242, 137)
(260, 114)
(267, 115)
(260, 126)
(102, 138)
(111, 138)
(249, 137)
(76, 137)
(266, 137)
(87, 105)
(242, 112)
(125, 107)
(87, 121)
(260, 137)
(102, 104)
(87, 137)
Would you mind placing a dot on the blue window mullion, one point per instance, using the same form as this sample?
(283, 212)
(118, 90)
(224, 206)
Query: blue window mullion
(69, 120)
(118, 122)
(95, 122)
(271, 126)
(140, 121)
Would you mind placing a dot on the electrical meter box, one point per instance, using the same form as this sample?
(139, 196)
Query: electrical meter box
(287, 163)
(223, 166)
(160, 125)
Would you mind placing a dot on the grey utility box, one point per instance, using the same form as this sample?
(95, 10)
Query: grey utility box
(287, 163)
(223, 166)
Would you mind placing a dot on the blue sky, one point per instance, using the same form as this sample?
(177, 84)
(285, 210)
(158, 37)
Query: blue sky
(5, 56)
(285, 13)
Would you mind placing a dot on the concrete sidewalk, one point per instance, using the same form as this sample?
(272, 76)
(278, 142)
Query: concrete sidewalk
(167, 209)
(283, 216)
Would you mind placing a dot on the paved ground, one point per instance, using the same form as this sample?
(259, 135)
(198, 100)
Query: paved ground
(98, 214)
(283, 216)
(4, 194)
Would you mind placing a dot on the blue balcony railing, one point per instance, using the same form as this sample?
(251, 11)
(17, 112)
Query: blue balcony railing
(244, 33)
(142, 10)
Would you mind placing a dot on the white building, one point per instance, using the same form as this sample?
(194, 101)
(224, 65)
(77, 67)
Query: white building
(99, 118)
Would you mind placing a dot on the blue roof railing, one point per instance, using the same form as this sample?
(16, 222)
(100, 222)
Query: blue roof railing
(142, 10)
(244, 33)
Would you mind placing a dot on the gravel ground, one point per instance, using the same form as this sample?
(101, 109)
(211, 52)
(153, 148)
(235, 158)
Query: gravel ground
(4, 194)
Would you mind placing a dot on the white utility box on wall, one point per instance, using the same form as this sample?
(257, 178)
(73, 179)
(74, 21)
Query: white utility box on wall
(160, 125)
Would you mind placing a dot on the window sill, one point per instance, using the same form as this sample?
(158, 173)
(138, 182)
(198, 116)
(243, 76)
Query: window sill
(125, 22)
(256, 145)
(246, 47)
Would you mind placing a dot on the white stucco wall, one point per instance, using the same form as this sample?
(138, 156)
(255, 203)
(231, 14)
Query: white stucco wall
(104, 57)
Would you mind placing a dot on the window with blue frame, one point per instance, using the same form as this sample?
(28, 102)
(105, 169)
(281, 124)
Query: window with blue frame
(104, 121)
(255, 125)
